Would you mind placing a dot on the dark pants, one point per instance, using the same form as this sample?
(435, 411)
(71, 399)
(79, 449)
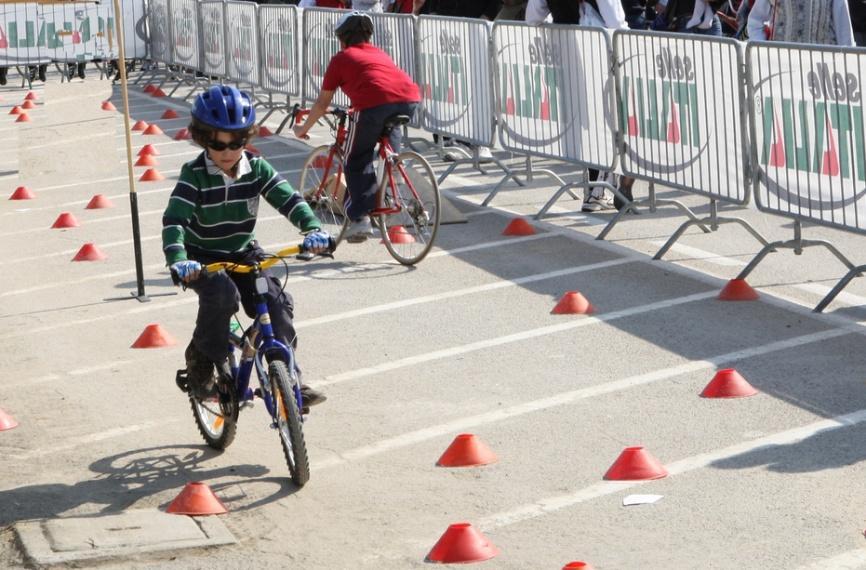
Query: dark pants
(221, 294)
(364, 133)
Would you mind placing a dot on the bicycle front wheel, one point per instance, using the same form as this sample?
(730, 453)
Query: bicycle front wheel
(323, 186)
(217, 417)
(288, 419)
(409, 234)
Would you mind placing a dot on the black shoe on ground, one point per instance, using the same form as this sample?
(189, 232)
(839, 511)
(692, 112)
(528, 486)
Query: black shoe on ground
(311, 397)
(618, 202)
(200, 373)
(3, 76)
(42, 70)
(81, 70)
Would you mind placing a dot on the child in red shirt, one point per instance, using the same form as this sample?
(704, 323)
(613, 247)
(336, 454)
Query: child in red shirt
(377, 89)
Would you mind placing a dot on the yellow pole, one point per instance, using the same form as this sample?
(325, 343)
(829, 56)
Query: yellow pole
(133, 197)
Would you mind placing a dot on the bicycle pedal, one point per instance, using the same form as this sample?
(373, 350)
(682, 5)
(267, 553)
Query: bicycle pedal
(181, 379)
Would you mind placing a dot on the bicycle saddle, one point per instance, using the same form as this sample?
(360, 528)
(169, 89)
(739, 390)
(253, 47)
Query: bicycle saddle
(397, 120)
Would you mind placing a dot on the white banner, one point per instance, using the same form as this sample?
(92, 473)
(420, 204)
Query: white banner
(184, 33)
(31, 32)
(242, 42)
(555, 92)
(681, 112)
(213, 34)
(810, 132)
(454, 74)
(281, 62)
(159, 31)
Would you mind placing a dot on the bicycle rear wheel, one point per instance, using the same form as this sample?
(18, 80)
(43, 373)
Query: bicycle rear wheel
(410, 233)
(323, 186)
(288, 419)
(217, 418)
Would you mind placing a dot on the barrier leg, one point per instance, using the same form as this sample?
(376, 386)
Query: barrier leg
(714, 220)
(852, 273)
(562, 190)
(652, 204)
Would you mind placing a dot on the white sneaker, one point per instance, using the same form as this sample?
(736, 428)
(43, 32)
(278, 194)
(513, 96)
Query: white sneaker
(597, 201)
(484, 154)
(359, 230)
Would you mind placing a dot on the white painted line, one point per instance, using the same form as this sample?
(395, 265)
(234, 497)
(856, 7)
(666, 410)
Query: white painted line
(64, 284)
(851, 560)
(566, 398)
(702, 255)
(63, 141)
(507, 339)
(88, 439)
(822, 290)
(547, 505)
(459, 293)
(55, 207)
(125, 216)
(489, 244)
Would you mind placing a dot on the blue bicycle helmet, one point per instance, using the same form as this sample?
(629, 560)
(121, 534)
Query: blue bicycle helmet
(224, 108)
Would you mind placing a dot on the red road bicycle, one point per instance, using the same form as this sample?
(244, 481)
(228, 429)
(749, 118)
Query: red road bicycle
(407, 211)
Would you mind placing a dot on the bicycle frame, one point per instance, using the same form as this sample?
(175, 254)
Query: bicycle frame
(258, 341)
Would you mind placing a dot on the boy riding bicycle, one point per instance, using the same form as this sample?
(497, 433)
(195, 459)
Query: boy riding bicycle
(378, 90)
(210, 217)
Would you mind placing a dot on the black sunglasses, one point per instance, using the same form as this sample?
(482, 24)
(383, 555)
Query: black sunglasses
(220, 146)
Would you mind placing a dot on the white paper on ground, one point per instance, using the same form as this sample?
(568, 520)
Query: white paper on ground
(629, 500)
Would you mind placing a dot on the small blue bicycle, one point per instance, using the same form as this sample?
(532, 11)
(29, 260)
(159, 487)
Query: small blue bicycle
(274, 363)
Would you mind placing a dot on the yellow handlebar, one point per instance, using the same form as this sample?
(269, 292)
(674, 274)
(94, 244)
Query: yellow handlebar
(241, 268)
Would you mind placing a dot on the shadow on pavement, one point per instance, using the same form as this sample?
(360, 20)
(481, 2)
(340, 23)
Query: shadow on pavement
(124, 479)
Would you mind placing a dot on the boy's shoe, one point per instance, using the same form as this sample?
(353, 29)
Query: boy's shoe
(200, 373)
(359, 230)
(311, 397)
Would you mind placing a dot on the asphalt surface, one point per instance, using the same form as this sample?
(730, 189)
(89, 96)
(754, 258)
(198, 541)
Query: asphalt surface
(410, 357)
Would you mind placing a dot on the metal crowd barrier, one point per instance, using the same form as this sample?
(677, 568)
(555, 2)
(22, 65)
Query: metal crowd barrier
(242, 43)
(213, 38)
(453, 71)
(555, 98)
(809, 143)
(682, 122)
(185, 43)
(281, 58)
(320, 45)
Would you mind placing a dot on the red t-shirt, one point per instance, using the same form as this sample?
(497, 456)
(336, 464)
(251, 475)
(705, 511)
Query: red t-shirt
(369, 77)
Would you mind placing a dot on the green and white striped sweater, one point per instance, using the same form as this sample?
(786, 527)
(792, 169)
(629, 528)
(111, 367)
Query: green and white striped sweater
(208, 215)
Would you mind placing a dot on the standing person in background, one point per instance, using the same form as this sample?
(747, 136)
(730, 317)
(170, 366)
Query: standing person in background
(823, 22)
(857, 9)
(338, 4)
(367, 5)
(512, 10)
(689, 17)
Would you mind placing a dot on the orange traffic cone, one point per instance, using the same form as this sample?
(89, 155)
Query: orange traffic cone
(196, 499)
(16, 110)
(573, 303)
(728, 383)
(466, 451)
(149, 88)
(152, 130)
(23, 118)
(182, 135)
(635, 464)
(31, 96)
(139, 126)
(108, 106)
(461, 542)
(151, 175)
(27, 104)
(99, 202)
(148, 149)
(22, 193)
(264, 131)
(519, 227)
(153, 336)
(89, 252)
(158, 93)
(65, 220)
(170, 114)
(577, 565)
(7, 421)
(398, 234)
(738, 290)
(146, 160)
